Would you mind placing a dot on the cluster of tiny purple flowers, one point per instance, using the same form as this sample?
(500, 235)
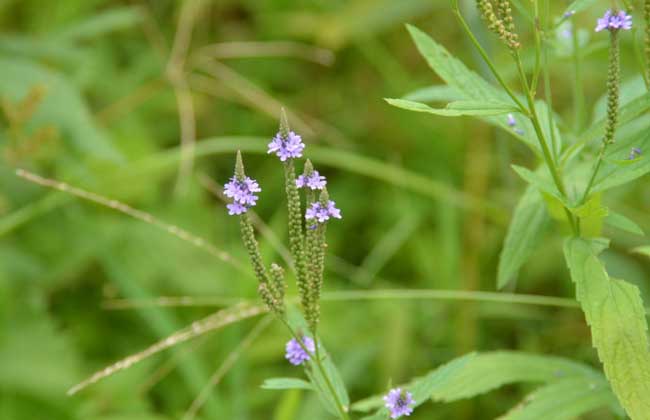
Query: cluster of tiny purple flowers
(296, 354)
(313, 181)
(614, 21)
(289, 147)
(322, 212)
(242, 194)
(399, 403)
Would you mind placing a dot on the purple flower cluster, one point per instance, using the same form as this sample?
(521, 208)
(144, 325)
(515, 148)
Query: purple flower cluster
(322, 213)
(242, 194)
(296, 354)
(286, 148)
(399, 403)
(613, 22)
(313, 181)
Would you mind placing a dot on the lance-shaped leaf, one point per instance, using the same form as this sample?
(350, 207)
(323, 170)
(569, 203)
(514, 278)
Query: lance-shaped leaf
(457, 108)
(615, 313)
(524, 233)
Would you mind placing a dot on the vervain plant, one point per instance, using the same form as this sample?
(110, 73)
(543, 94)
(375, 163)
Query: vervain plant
(575, 169)
(566, 186)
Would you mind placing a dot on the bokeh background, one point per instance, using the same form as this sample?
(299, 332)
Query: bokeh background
(101, 93)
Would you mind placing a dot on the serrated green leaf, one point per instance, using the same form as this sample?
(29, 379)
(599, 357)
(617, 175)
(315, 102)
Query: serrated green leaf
(286, 383)
(489, 371)
(480, 373)
(621, 222)
(422, 388)
(524, 233)
(456, 109)
(615, 313)
(564, 400)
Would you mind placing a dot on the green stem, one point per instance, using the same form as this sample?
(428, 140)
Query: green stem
(538, 46)
(578, 90)
(486, 58)
(342, 412)
(548, 158)
(328, 382)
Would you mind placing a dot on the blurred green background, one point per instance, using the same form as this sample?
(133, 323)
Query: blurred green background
(99, 93)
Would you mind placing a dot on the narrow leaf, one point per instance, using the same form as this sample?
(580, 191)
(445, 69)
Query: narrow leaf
(286, 383)
(621, 222)
(456, 109)
(524, 233)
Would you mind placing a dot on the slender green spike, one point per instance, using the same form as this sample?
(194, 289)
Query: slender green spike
(284, 123)
(308, 169)
(239, 167)
(251, 245)
(278, 286)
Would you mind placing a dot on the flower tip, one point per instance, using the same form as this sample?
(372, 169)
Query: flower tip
(284, 122)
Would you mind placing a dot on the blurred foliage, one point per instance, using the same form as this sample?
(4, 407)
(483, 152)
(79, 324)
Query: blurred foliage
(91, 92)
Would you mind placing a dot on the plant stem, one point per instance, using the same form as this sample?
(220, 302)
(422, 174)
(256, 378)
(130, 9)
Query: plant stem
(548, 158)
(342, 412)
(486, 58)
(538, 46)
(578, 90)
(317, 361)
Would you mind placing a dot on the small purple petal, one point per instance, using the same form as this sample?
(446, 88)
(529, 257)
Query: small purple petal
(322, 213)
(296, 354)
(314, 181)
(511, 120)
(399, 403)
(610, 21)
(286, 148)
(242, 194)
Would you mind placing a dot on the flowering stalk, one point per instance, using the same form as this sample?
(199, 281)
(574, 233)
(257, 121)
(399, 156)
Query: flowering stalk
(646, 17)
(613, 22)
(288, 146)
(241, 189)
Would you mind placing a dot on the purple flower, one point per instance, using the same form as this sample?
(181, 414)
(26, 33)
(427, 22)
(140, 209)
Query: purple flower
(296, 354)
(568, 14)
(236, 209)
(313, 181)
(242, 194)
(322, 213)
(399, 403)
(511, 120)
(610, 21)
(286, 148)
